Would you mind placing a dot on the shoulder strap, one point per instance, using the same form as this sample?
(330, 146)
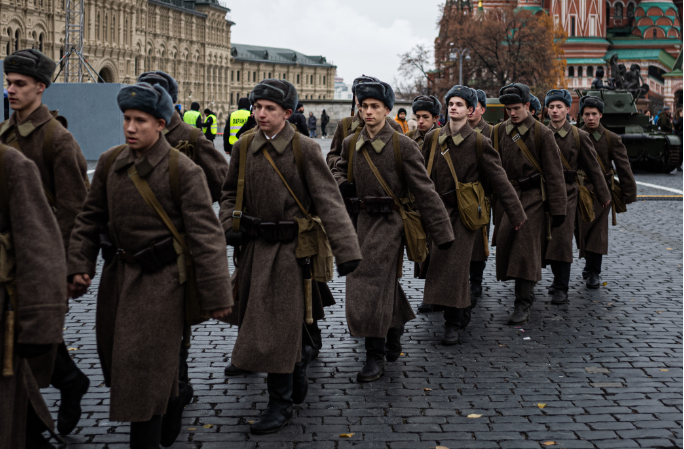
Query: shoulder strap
(450, 163)
(537, 136)
(174, 176)
(495, 136)
(379, 177)
(526, 151)
(194, 136)
(237, 211)
(397, 156)
(4, 188)
(299, 159)
(433, 148)
(48, 154)
(110, 160)
(479, 150)
(575, 133)
(609, 141)
(350, 153)
(270, 161)
(346, 123)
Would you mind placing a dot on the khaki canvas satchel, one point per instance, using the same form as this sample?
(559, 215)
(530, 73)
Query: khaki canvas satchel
(585, 198)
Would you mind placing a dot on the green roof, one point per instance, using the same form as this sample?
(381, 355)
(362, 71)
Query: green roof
(242, 52)
(641, 42)
(652, 54)
(587, 40)
(532, 9)
(677, 73)
(581, 61)
(663, 6)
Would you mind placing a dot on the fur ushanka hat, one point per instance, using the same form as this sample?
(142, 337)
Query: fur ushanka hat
(281, 92)
(514, 93)
(535, 104)
(163, 79)
(558, 95)
(31, 63)
(482, 98)
(468, 94)
(428, 103)
(154, 100)
(592, 102)
(369, 87)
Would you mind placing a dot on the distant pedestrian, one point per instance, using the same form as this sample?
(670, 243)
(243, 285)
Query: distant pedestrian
(193, 116)
(413, 123)
(325, 119)
(297, 118)
(210, 128)
(312, 125)
(665, 121)
(401, 119)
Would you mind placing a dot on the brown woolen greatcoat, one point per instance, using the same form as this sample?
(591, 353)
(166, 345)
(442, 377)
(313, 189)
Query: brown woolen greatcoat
(594, 236)
(479, 254)
(584, 158)
(270, 281)
(67, 178)
(374, 299)
(446, 282)
(139, 318)
(41, 287)
(336, 143)
(519, 253)
(210, 160)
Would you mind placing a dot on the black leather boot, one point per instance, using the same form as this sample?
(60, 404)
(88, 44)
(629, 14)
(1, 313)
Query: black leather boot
(34, 431)
(561, 275)
(452, 326)
(425, 308)
(316, 338)
(172, 420)
(375, 360)
(300, 383)
(393, 344)
(524, 297)
(72, 385)
(146, 434)
(232, 370)
(476, 276)
(594, 261)
(278, 413)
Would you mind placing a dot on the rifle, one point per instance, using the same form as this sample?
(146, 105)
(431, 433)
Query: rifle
(353, 108)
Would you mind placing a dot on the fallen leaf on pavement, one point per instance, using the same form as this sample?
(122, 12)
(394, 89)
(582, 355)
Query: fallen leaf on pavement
(208, 426)
(73, 349)
(250, 422)
(605, 283)
(427, 389)
(549, 443)
(402, 353)
(441, 447)
(541, 405)
(664, 370)
(192, 428)
(346, 435)
(474, 416)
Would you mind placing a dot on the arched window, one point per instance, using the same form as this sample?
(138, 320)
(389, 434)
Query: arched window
(40, 42)
(16, 40)
(590, 71)
(97, 27)
(579, 71)
(607, 11)
(655, 33)
(571, 71)
(572, 26)
(630, 11)
(618, 11)
(8, 49)
(113, 39)
(104, 28)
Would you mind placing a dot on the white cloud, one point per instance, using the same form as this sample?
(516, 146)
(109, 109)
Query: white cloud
(359, 37)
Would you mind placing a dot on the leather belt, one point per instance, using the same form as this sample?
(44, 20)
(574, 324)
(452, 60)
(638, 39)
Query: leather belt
(533, 182)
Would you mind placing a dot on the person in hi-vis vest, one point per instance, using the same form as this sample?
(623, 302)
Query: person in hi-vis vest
(193, 116)
(210, 125)
(235, 121)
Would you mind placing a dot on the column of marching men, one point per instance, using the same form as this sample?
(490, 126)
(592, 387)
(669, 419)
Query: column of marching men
(289, 214)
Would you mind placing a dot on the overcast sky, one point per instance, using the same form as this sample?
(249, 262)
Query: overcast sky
(358, 36)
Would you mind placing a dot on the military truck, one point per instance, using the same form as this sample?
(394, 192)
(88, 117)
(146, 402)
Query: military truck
(648, 149)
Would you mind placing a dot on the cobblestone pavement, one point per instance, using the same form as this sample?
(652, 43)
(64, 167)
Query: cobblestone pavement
(604, 371)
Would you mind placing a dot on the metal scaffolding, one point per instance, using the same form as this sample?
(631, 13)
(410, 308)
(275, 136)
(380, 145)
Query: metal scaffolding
(73, 63)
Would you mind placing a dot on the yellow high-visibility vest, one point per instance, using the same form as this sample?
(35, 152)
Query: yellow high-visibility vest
(190, 117)
(214, 125)
(237, 119)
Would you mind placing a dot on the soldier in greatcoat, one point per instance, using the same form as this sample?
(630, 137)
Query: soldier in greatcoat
(376, 305)
(535, 107)
(29, 230)
(270, 278)
(519, 252)
(141, 301)
(478, 262)
(34, 131)
(446, 283)
(348, 125)
(426, 109)
(582, 160)
(592, 238)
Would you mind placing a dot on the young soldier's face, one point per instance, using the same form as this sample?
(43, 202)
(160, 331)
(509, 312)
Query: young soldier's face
(592, 117)
(475, 116)
(270, 116)
(23, 91)
(374, 111)
(425, 120)
(459, 109)
(518, 112)
(141, 129)
(558, 111)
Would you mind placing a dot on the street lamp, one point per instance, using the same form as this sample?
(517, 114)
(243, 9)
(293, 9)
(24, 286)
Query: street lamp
(460, 52)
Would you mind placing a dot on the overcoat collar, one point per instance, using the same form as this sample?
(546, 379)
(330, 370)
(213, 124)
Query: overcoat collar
(418, 134)
(175, 121)
(37, 118)
(379, 141)
(481, 125)
(523, 127)
(358, 121)
(146, 162)
(596, 133)
(279, 143)
(456, 139)
(563, 130)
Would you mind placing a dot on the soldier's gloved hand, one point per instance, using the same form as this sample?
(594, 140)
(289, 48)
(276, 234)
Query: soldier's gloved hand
(27, 351)
(445, 246)
(344, 269)
(557, 220)
(347, 189)
(236, 238)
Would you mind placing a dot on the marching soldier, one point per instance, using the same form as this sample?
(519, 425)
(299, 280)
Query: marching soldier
(426, 109)
(579, 163)
(457, 159)
(385, 166)
(535, 107)
(150, 209)
(530, 156)
(478, 262)
(33, 130)
(348, 125)
(31, 300)
(277, 182)
(592, 238)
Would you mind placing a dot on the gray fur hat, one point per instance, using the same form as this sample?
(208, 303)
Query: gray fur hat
(369, 87)
(558, 95)
(428, 103)
(154, 100)
(281, 92)
(31, 63)
(482, 98)
(592, 102)
(363, 79)
(514, 93)
(468, 94)
(163, 79)
(535, 104)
